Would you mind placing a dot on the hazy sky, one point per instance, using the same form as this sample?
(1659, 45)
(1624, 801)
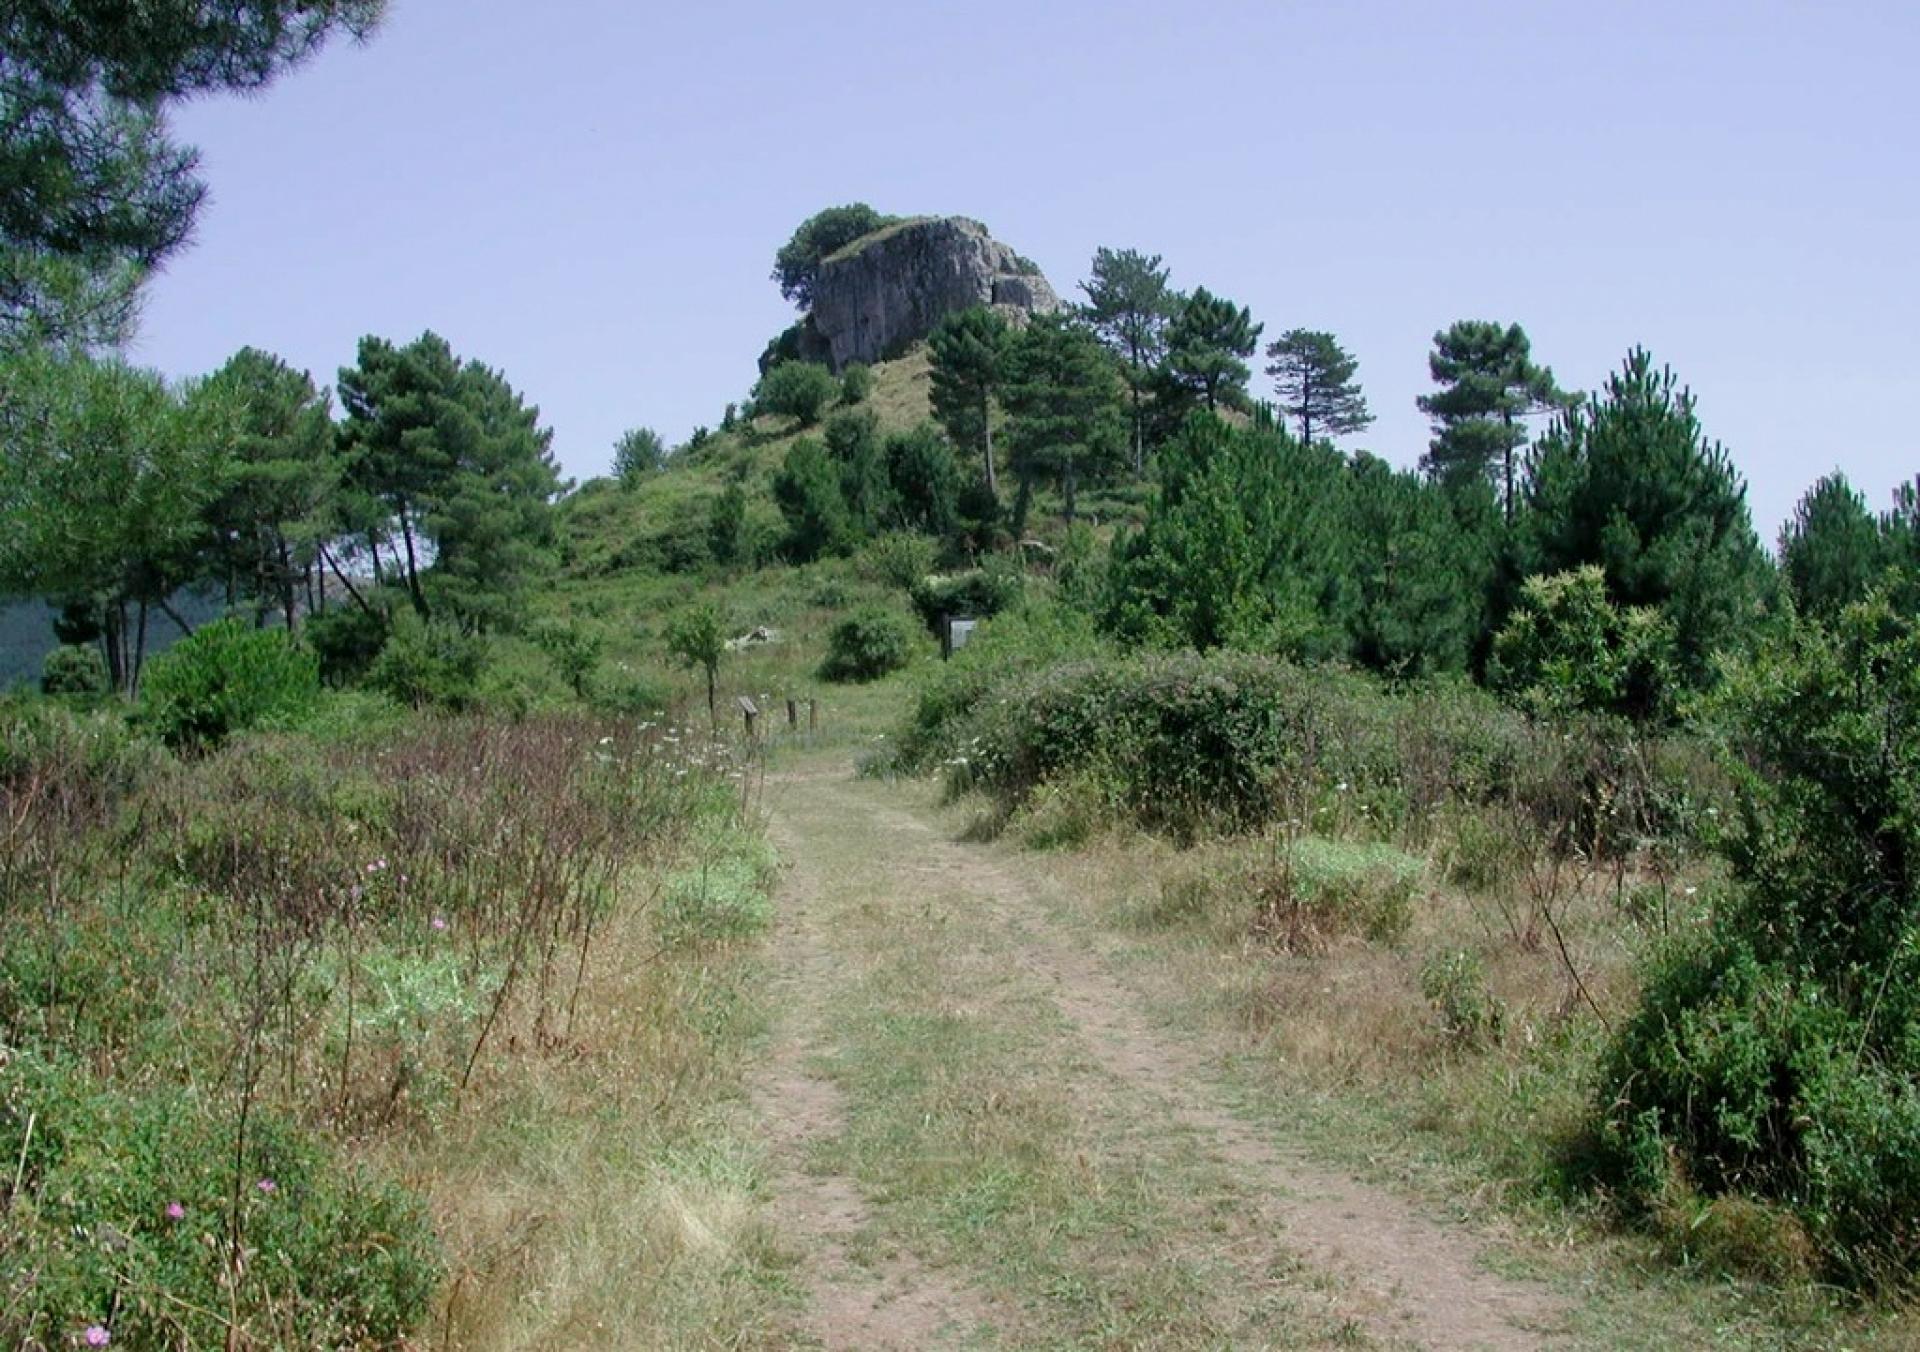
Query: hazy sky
(588, 193)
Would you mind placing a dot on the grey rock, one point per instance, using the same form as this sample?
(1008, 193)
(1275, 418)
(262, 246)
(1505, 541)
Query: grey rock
(888, 290)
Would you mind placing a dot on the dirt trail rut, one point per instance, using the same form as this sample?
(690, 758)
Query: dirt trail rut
(1407, 1278)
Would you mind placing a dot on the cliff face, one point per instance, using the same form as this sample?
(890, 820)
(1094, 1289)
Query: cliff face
(883, 292)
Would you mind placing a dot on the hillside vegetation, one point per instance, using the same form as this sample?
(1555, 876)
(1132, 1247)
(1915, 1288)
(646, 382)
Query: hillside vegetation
(386, 956)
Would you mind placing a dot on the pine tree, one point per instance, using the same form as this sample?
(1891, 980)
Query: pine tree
(1128, 306)
(1064, 417)
(1629, 482)
(966, 349)
(1313, 377)
(1420, 573)
(103, 486)
(448, 456)
(275, 504)
(1831, 552)
(1246, 544)
(1208, 344)
(1490, 386)
(807, 487)
(97, 195)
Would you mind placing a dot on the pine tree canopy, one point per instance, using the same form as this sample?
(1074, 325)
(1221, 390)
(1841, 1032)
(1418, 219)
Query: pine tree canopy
(1208, 345)
(1629, 482)
(1831, 552)
(96, 193)
(1489, 386)
(1313, 379)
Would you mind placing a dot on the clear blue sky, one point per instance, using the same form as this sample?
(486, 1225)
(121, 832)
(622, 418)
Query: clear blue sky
(588, 194)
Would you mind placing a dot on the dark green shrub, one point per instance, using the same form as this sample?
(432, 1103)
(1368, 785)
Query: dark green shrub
(346, 639)
(429, 666)
(809, 492)
(856, 383)
(979, 592)
(868, 644)
(225, 678)
(1003, 649)
(1780, 1057)
(800, 390)
(74, 669)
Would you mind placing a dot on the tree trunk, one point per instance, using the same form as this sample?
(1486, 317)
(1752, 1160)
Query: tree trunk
(413, 567)
(345, 581)
(289, 601)
(1139, 431)
(1507, 449)
(1071, 484)
(179, 621)
(139, 653)
(713, 698)
(373, 547)
(986, 428)
(113, 634)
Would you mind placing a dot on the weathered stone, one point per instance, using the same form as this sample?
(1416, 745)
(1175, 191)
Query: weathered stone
(888, 290)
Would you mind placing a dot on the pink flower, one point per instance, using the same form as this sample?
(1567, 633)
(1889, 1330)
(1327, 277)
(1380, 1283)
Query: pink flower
(176, 1212)
(266, 1185)
(439, 922)
(97, 1336)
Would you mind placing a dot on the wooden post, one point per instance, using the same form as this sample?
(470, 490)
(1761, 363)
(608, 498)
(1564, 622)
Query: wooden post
(813, 716)
(793, 714)
(751, 711)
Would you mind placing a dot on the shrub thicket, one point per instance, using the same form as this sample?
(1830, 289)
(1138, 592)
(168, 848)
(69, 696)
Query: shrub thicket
(800, 390)
(1779, 1056)
(868, 644)
(226, 678)
(74, 669)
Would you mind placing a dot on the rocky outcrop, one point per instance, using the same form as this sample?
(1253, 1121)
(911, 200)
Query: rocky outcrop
(889, 289)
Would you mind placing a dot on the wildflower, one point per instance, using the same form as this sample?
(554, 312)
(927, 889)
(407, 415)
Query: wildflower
(1341, 787)
(176, 1212)
(97, 1335)
(439, 922)
(1692, 890)
(267, 1185)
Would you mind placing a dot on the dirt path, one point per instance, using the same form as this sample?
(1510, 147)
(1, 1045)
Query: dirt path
(1394, 1274)
(892, 1302)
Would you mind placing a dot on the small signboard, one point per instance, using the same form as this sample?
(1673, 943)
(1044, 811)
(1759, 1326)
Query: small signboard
(955, 633)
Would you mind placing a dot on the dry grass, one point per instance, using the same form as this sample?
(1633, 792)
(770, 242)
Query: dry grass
(597, 1192)
(1342, 1044)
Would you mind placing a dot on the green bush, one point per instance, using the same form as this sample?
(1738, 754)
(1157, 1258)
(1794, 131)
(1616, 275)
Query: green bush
(429, 666)
(127, 1202)
(1567, 648)
(800, 390)
(1779, 1057)
(1004, 649)
(866, 645)
(898, 559)
(346, 639)
(856, 383)
(1455, 984)
(74, 669)
(226, 678)
(979, 592)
